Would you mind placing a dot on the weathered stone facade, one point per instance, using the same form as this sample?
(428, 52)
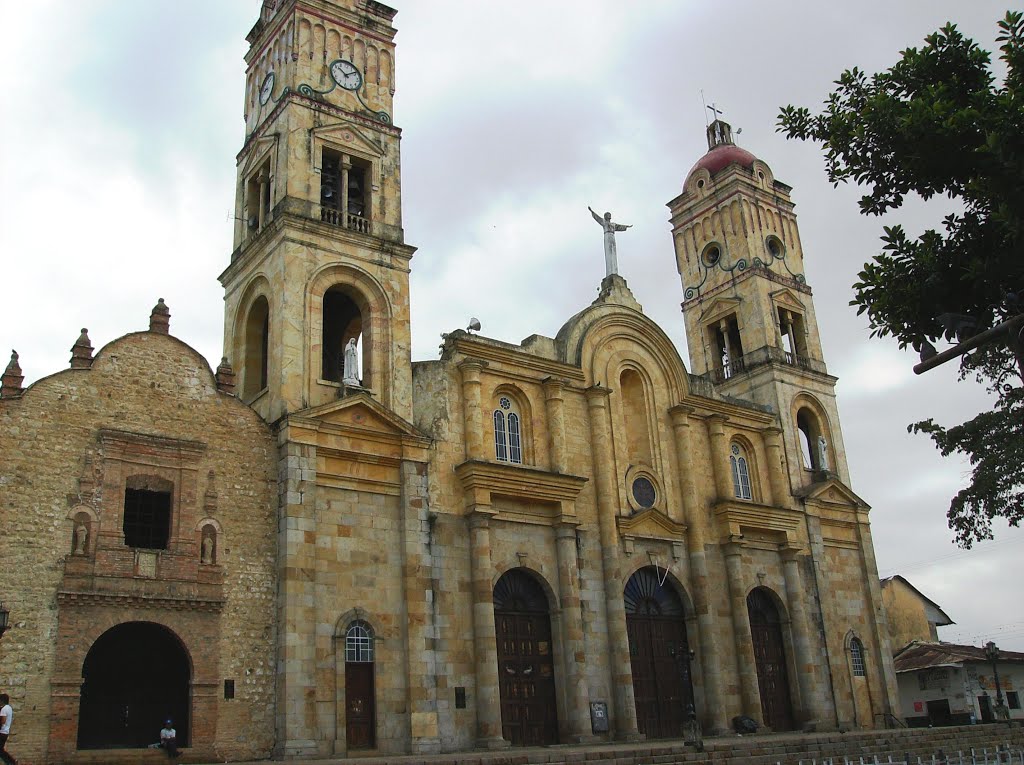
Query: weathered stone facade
(571, 539)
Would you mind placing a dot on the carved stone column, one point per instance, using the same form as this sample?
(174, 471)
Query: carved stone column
(618, 640)
(264, 181)
(720, 456)
(746, 665)
(710, 657)
(806, 667)
(577, 697)
(346, 167)
(473, 431)
(488, 698)
(777, 477)
(553, 402)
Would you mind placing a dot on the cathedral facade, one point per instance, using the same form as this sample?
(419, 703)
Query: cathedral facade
(322, 547)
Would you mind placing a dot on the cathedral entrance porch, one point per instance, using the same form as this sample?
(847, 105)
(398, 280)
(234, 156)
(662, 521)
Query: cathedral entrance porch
(136, 676)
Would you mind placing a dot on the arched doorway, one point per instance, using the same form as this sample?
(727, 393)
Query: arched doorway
(659, 655)
(526, 676)
(136, 676)
(360, 698)
(770, 658)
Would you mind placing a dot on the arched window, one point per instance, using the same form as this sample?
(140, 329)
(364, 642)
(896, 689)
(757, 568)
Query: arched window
(508, 444)
(740, 472)
(857, 657)
(359, 643)
(257, 337)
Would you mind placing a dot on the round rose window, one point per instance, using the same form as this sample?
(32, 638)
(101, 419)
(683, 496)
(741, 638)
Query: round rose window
(643, 492)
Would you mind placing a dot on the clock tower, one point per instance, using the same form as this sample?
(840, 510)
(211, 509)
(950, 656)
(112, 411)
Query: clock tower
(319, 254)
(316, 326)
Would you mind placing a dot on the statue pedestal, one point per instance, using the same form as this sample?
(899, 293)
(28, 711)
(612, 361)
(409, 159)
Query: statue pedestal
(350, 389)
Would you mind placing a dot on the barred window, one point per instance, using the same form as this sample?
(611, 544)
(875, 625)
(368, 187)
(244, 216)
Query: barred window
(857, 657)
(359, 643)
(147, 518)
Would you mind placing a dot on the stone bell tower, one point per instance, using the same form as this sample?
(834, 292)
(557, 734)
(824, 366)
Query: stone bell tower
(316, 325)
(750, 322)
(319, 255)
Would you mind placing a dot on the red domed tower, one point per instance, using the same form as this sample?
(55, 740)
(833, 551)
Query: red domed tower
(750, 324)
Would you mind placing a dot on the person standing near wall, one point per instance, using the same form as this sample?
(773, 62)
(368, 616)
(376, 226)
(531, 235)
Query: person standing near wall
(6, 718)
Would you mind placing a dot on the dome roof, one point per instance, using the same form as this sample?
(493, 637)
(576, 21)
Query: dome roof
(720, 158)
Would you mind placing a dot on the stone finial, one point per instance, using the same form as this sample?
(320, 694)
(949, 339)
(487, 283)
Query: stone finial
(160, 318)
(81, 351)
(225, 377)
(10, 382)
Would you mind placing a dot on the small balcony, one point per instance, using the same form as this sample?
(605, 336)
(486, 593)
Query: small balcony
(762, 357)
(302, 208)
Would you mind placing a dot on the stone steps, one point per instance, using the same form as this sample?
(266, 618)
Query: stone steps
(763, 749)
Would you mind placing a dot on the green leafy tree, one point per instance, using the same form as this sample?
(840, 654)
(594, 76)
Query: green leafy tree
(939, 122)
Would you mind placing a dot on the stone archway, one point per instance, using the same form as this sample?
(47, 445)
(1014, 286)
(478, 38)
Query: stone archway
(526, 672)
(136, 675)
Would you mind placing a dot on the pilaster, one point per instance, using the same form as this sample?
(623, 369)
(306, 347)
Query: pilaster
(618, 641)
(746, 665)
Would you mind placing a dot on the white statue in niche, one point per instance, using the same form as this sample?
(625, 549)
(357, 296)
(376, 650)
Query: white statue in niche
(350, 375)
(80, 538)
(207, 549)
(822, 453)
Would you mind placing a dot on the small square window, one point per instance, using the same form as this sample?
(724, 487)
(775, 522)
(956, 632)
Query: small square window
(147, 518)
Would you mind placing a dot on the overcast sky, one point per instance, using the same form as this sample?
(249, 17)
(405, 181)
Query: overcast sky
(123, 118)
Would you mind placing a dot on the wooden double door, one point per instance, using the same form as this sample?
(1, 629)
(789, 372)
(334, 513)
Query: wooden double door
(526, 676)
(770, 658)
(659, 656)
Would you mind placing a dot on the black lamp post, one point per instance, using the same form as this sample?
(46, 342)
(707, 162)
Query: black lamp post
(992, 654)
(5, 615)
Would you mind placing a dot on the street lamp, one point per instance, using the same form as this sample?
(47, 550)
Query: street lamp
(992, 654)
(5, 615)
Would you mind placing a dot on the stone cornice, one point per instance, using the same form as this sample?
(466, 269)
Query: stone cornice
(126, 600)
(516, 358)
(481, 480)
(734, 516)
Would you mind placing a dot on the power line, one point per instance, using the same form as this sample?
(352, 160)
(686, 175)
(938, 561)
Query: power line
(950, 556)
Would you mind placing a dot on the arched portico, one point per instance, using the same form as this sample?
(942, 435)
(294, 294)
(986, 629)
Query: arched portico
(136, 675)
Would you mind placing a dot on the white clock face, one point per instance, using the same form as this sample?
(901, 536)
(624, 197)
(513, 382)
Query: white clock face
(266, 88)
(346, 74)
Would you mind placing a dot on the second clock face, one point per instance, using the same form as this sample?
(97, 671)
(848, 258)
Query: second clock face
(346, 74)
(267, 88)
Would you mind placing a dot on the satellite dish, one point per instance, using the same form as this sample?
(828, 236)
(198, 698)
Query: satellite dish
(474, 325)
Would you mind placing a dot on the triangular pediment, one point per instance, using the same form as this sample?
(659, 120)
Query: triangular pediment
(258, 152)
(832, 491)
(788, 299)
(651, 524)
(719, 308)
(348, 137)
(361, 412)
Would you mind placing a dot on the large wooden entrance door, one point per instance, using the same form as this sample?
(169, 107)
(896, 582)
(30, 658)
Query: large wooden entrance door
(659, 655)
(770, 658)
(360, 709)
(526, 677)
